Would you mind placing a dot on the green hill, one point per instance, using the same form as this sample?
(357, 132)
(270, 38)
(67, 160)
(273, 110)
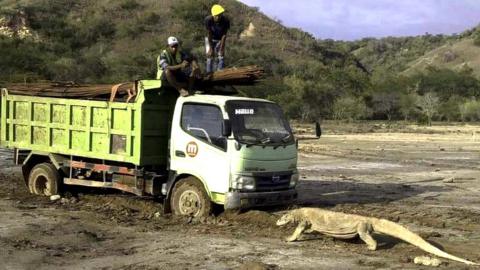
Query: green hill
(107, 41)
(394, 53)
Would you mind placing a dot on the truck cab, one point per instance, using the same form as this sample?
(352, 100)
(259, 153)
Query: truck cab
(242, 150)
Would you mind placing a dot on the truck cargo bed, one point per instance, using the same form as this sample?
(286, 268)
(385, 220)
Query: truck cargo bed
(135, 132)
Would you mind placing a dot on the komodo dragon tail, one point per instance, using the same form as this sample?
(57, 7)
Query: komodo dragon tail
(398, 231)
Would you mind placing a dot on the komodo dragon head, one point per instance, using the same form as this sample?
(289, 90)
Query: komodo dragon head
(285, 219)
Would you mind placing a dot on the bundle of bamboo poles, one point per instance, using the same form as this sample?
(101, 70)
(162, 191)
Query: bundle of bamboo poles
(235, 76)
(230, 76)
(68, 90)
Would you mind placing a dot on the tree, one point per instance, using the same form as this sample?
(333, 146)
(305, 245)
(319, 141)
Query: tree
(306, 99)
(298, 86)
(428, 105)
(407, 105)
(350, 108)
(386, 103)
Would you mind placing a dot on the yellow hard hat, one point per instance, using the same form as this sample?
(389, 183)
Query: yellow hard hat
(217, 10)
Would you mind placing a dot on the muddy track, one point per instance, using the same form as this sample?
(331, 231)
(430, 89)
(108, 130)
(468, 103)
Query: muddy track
(100, 229)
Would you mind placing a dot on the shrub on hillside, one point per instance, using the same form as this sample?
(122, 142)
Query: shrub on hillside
(450, 109)
(129, 4)
(192, 10)
(65, 69)
(470, 110)
(476, 39)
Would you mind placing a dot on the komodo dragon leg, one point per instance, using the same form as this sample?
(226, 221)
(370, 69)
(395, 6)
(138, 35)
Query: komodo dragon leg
(302, 226)
(364, 229)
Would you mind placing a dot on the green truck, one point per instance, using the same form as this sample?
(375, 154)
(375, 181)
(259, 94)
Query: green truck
(192, 151)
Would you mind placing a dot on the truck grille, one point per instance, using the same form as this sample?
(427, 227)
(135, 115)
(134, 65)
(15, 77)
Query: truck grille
(272, 182)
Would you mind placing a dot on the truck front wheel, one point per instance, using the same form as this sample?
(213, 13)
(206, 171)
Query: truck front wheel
(190, 199)
(44, 179)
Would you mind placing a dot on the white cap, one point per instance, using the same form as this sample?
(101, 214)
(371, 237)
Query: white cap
(172, 41)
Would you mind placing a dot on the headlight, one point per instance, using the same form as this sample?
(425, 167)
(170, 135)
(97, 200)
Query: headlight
(294, 180)
(243, 182)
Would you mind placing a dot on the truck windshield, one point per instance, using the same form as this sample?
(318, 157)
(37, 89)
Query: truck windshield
(256, 122)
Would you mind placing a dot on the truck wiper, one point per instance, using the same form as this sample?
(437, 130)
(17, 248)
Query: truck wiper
(284, 141)
(286, 138)
(265, 140)
(249, 143)
(260, 142)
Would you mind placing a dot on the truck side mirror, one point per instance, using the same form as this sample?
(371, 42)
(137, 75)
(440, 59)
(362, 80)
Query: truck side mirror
(318, 130)
(226, 128)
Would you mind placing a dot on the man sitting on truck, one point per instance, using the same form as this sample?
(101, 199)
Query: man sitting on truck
(177, 68)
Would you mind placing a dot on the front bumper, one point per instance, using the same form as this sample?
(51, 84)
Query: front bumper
(239, 200)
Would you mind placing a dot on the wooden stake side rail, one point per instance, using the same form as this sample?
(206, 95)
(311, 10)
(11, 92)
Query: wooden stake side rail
(103, 168)
(113, 185)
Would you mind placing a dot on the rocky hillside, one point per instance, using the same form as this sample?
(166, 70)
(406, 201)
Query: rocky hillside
(458, 56)
(413, 54)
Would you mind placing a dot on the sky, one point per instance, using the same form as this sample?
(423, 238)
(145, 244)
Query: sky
(356, 19)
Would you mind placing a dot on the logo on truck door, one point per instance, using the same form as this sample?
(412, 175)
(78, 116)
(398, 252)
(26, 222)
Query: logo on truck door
(192, 149)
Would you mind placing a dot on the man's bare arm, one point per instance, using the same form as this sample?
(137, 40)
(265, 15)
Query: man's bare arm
(177, 67)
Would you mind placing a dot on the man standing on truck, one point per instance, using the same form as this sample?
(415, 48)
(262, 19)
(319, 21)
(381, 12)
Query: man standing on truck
(177, 68)
(217, 27)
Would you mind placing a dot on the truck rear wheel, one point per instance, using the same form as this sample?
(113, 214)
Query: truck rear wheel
(44, 179)
(190, 199)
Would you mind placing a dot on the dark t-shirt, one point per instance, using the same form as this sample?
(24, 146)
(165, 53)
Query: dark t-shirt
(218, 29)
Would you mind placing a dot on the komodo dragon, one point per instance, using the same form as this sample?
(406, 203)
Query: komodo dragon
(347, 226)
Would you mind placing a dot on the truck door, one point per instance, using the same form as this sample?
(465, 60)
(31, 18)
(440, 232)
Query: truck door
(197, 146)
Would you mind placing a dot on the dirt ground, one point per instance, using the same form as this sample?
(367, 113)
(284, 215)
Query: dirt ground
(425, 178)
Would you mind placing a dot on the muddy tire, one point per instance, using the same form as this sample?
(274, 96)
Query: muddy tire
(190, 199)
(44, 179)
